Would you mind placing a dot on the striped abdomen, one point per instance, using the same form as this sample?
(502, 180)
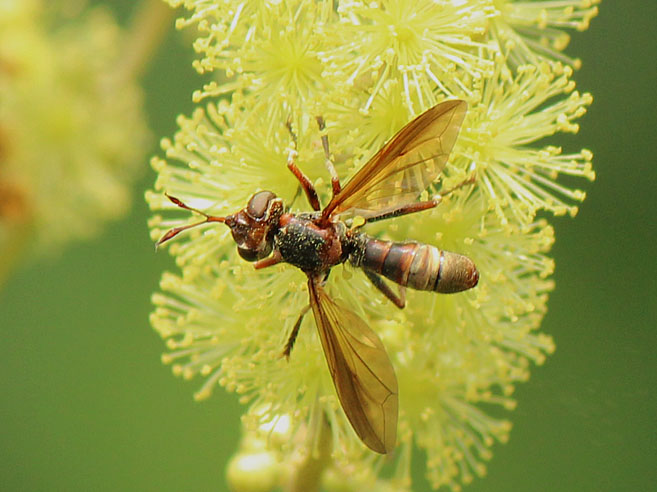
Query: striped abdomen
(419, 266)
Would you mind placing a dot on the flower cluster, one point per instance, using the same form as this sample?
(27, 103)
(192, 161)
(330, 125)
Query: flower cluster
(72, 134)
(368, 68)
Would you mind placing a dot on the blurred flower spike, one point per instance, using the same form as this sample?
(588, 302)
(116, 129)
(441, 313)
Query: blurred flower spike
(72, 133)
(368, 68)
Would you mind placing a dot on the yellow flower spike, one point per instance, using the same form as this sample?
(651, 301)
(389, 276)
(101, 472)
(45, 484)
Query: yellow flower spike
(467, 364)
(367, 69)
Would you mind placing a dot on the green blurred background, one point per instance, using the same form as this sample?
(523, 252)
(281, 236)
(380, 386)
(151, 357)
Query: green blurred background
(87, 405)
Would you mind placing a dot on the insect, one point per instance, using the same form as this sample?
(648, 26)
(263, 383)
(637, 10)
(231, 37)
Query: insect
(388, 185)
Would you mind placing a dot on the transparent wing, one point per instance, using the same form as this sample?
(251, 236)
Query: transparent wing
(361, 370)
(405, 166)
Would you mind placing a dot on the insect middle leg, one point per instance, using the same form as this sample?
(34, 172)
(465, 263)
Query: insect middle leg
(304, 181)
(294, 333)
(335, 180)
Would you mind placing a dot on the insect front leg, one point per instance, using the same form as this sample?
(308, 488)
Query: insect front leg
(272, 260)
(335, 180)
(304, 181)
(379, 283)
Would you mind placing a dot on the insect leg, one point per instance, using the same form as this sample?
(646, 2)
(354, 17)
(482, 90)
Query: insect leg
(293, 334)
(306, 184)
(335, 180)
(288, 125)
(272, 260)
(379, 283)
(411, 208)
(470, 180)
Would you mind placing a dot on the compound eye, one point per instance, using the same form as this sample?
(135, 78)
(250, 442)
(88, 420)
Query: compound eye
(259, 203)
(247, 254)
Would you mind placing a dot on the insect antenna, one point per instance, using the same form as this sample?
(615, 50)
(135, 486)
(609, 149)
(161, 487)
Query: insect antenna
(177, 230)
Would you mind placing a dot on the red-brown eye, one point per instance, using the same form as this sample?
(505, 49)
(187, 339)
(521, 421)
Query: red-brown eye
(259, 203)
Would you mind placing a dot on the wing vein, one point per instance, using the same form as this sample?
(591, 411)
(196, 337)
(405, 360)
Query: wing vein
(405, 166)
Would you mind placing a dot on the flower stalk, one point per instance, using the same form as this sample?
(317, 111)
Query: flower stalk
(148, 27)
(307, 473)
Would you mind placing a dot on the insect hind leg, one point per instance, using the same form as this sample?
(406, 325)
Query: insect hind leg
(412, 208)
(379, 283)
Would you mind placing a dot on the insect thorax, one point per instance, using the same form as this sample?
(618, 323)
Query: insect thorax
(311, 248)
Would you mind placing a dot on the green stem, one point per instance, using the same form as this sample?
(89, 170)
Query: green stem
(148, 27)
(13, 249)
